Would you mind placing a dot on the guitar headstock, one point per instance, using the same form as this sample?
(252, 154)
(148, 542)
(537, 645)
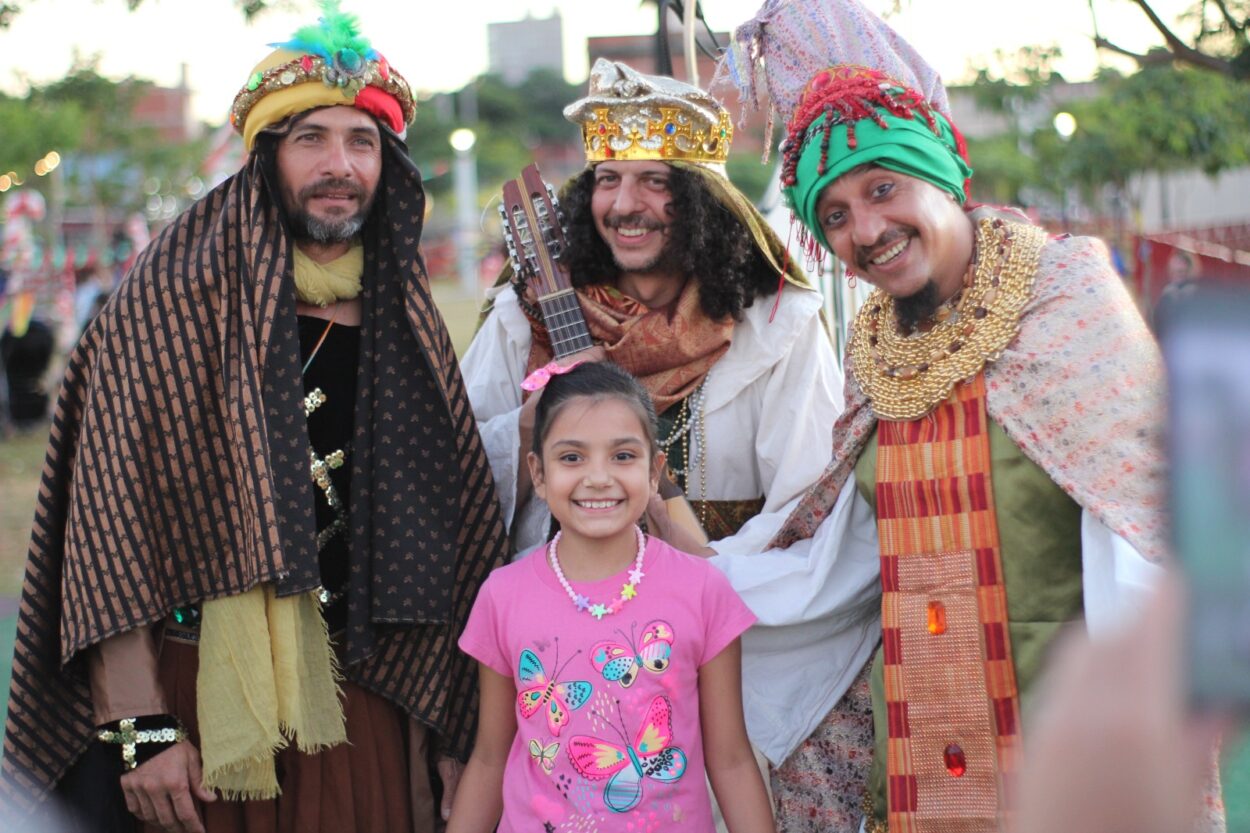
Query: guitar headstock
(517, 234)
(534, 231)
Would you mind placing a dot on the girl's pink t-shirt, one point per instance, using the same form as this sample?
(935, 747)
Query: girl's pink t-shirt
(608, 732)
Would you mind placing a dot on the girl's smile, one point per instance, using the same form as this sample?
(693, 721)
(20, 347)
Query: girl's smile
(596, 474)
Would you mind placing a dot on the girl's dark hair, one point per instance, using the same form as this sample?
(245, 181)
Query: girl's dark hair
(599, 381)
(706, 239)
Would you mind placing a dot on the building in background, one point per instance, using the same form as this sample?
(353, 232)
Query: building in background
(168, 110)
(519, 47)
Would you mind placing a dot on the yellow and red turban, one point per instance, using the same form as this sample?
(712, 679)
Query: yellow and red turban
(323, 65)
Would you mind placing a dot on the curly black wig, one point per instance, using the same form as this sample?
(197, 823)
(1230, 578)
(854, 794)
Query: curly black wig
(707, 241)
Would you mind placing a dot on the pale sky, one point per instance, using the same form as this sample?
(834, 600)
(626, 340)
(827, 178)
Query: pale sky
(441, 45)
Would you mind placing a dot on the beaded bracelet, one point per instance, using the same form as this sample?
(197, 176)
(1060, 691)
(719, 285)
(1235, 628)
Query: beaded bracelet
(143, 738)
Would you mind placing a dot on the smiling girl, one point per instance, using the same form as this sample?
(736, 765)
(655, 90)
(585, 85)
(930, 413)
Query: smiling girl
(610, 662)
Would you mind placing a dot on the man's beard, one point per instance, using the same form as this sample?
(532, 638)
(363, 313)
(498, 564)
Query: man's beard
(308, 227)
(665, 260)
(917, 307)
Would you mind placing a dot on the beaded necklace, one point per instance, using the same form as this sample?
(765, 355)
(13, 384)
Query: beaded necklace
(628, 591)
(906, 375)
(689, 415)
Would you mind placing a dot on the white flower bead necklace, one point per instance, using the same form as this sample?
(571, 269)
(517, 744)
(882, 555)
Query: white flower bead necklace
(628, 590)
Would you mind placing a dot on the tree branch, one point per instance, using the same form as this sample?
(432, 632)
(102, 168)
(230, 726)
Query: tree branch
(1238, 29)
(1103, 43)
(1174, 43)
(1179, 50)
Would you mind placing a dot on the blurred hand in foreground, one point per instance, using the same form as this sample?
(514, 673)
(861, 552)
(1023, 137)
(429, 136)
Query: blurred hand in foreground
(1112, 746)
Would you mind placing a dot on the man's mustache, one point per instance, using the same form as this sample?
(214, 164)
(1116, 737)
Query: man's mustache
(616, 221)
(326, 187)
(863, 254)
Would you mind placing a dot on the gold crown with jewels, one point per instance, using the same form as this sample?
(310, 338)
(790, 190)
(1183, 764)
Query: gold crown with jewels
(630, 116)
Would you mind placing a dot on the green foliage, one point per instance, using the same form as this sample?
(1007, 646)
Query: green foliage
(1001, 170)
(1016, 78)
(1163, 118)
(98, 99)
(533, 110)
(105, 156)
(511, 122)
(1160, 119)
(28, 130)
(746, 172)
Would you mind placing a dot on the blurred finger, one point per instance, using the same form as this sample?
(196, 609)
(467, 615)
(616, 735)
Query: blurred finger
(132, 801)
(195, 771)
(184, 811)
(163, 806)
(147, 813)
(449, 771)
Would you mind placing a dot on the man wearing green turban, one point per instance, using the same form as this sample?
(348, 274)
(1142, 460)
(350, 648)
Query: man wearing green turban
(997, 472)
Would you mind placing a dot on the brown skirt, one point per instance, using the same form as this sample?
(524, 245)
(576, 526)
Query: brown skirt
(362, 786)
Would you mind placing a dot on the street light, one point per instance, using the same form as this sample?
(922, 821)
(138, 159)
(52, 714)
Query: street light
(1065, 125)
(463, 139)
(464, 178)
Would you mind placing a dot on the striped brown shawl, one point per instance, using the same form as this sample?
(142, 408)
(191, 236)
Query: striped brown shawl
(177, 469)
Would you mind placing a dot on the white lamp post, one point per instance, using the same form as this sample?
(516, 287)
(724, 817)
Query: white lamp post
(464, 177)
(1065, 125)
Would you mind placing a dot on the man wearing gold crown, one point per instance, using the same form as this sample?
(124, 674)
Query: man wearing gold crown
(266, 509)
(997, 472)
(682, 283)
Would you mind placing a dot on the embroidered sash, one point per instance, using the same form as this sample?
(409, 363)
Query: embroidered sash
(950, 685)
(670, 349)
(722, 518)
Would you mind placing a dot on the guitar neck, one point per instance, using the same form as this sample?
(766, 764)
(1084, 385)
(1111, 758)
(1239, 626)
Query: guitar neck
(562, 313)
(535, 238)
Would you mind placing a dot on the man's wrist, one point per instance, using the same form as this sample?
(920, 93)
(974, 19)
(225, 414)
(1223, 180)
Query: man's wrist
(142, 738)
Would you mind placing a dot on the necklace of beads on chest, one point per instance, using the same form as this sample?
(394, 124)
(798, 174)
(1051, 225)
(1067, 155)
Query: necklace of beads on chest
(690, 418)
(628, 591)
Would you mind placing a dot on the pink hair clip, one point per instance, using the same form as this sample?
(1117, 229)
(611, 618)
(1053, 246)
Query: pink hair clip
(540, 377)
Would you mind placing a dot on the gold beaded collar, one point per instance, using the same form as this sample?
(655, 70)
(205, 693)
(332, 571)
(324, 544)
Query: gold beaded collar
(906, 376)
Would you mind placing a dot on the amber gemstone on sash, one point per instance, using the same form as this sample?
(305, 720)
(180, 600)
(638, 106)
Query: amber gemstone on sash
(937, 618)
(956, 764)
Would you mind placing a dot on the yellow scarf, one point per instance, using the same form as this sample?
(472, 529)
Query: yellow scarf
(267, 671)
(325, 283)
(267, 676)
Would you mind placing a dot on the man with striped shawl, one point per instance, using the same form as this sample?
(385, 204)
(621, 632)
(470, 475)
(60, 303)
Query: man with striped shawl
(266, 509)
(997, 472)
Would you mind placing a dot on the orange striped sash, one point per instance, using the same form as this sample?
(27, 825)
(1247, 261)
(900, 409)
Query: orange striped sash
(950, 686)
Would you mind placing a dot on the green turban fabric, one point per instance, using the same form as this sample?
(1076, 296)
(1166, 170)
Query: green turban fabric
(906, 145)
